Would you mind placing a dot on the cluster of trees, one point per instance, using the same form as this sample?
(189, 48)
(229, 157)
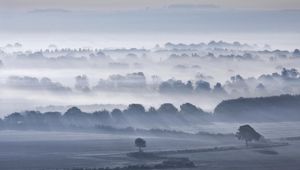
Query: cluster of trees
(285, 82)
(119, 82)
(92, 54)
(236, 86)
(78, 58)
(213, 56)
(245, 56)
(275, 108)
(115, 82)
(15, 45)
(135, 115)
(285, 74)
(203, 87)
(282, 54)
(33, 83)
(212, 44)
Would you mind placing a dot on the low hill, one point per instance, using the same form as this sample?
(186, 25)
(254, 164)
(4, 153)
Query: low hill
(275, 108)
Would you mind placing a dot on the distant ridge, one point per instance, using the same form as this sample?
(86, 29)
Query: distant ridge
(50, 10)
(191, 6)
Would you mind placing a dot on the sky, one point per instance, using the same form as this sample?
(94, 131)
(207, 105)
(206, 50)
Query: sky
(39, 22)
(138, 4)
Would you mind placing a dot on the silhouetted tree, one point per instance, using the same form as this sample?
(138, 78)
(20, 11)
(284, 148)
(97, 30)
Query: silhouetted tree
(175, 86)
(52, 115)
(53, 118)
(260, 89)
(168, 108)
(117, 116)
(116, 113)
(136, 108)
(140, 143)
(247, 133)
(190, 109)
(34, 118)
(73, 112)
(82, 83)
(14, 119)
(103, 116)
(202, 86)
(218, 89)
(239, 83)
(289, 73)
(296, 53)
(76, 117)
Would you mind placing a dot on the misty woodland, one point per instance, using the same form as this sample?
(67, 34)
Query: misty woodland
(149, 85)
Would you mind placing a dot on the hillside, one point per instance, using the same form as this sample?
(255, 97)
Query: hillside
(275, 108)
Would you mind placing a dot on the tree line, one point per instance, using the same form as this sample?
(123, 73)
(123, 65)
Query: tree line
(134, 115)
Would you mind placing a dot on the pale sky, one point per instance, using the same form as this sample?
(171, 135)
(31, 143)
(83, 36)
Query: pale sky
(136, 4)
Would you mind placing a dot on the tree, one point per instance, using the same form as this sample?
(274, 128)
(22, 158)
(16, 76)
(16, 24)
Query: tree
(74, 112)
(34, 118)
(140, 143)
(189, 108)
(167, 108)
(116, 114)
(218, 89)
(296, 53)
(136, 109)
(247, 133)
(103, 116)
(52, 118)
(175, 86)
(14, 119)
(202, 86)
(82, 83)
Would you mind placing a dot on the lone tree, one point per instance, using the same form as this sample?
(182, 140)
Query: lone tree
(140, 143)
(247, 133)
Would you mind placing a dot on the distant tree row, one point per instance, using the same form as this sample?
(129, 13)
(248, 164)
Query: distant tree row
(177, 86)
(275, 108)
(134, 115)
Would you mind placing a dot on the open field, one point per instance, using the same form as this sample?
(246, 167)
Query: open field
(41, 150)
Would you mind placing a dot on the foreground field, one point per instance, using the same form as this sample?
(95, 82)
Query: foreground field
(278, 158)
(58, 150)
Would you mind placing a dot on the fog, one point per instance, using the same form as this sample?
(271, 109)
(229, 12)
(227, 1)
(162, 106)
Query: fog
(201, 73)
(158, 87)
